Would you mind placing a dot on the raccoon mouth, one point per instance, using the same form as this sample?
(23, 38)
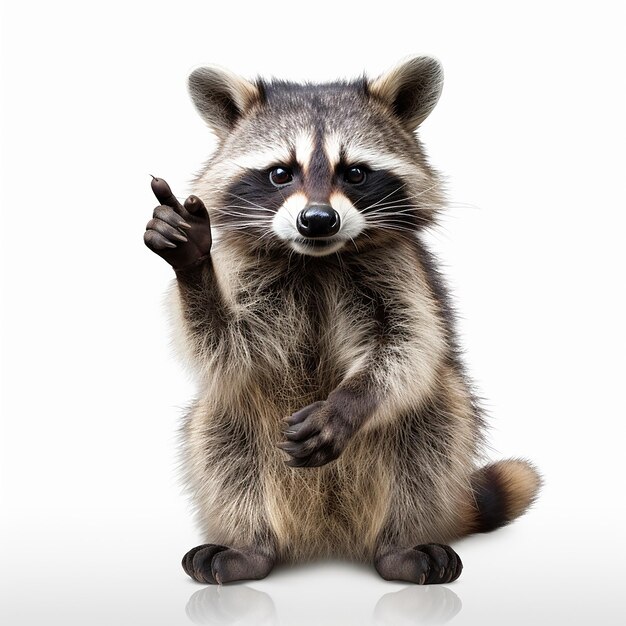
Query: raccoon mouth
(316, 243)
(317, 247)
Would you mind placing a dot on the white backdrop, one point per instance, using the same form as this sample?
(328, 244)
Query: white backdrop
(530, 133)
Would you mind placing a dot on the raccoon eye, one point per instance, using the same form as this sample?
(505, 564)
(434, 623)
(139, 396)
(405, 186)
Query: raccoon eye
(354, 175)
(280, 176)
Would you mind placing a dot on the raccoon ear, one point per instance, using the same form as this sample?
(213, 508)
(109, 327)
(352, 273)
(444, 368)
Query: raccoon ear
(221, 97)
(411, 89)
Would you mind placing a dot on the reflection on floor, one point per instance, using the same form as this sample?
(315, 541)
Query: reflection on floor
(231, 605)
(430, 604)
(239, 604)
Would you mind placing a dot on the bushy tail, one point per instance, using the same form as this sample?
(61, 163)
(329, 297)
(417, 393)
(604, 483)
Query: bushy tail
(503, 491)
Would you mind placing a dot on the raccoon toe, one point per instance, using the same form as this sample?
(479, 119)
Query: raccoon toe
(174, 234)
(232, 565)
(445, 564)
(214, 564)
(425, 564)
(188, 559)
(197, 562)
(315, 451)
(157, 242)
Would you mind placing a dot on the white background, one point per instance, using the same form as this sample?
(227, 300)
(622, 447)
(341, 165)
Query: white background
(530, 133)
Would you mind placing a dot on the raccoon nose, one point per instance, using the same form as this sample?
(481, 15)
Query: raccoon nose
(319, 220)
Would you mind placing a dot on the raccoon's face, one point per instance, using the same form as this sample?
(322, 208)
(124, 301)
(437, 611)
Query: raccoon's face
(319, 169)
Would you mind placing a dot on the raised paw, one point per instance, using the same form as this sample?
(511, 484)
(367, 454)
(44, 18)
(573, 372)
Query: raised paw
(179, 233)
(316, 434)
(214, 564)
(425, 564)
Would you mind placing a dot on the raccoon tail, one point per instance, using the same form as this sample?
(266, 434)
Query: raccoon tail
(502, 492)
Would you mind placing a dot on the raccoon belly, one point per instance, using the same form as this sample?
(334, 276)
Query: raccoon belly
(336, 510)
(245, 494)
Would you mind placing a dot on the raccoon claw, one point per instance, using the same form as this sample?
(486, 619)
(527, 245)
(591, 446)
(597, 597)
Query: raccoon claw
(445, 563)
(317, 435)
(425, 564)
(179, 233)
(214, 564)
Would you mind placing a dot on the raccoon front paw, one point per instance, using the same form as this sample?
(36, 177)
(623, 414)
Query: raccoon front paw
(425, 564)
(317, 435)
(214, 564)
(180, 234)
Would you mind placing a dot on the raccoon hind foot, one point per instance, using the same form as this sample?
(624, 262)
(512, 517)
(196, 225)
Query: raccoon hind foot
(215, 564)
(425, 564)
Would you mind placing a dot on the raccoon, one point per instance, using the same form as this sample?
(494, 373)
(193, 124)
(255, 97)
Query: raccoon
(333, 416)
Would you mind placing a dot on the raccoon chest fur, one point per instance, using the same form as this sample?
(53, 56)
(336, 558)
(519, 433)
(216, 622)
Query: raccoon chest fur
(295, 333)
(295, 330)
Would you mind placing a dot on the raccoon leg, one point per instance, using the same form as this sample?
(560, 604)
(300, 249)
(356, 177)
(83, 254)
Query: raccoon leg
(424, 564)
(215, 564)
(499, 493)
(181, 234)
(431, 459)
(226, 471)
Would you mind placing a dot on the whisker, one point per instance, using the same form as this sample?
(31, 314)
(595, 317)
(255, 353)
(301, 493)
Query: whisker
(380, 203)
(247, 208)
(387, 196)
(246, 200)
(390, 224)
(403, 208)
(239, 214)
(248, 222)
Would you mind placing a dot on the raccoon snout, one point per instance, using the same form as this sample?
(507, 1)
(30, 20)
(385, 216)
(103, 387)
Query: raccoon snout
(318, 221)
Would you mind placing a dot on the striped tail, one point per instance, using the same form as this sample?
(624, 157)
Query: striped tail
(502, 492)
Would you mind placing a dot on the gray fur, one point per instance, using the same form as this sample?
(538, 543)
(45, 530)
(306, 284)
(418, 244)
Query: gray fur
(366, 332)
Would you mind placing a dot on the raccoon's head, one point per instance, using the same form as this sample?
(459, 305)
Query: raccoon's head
(319, 169)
